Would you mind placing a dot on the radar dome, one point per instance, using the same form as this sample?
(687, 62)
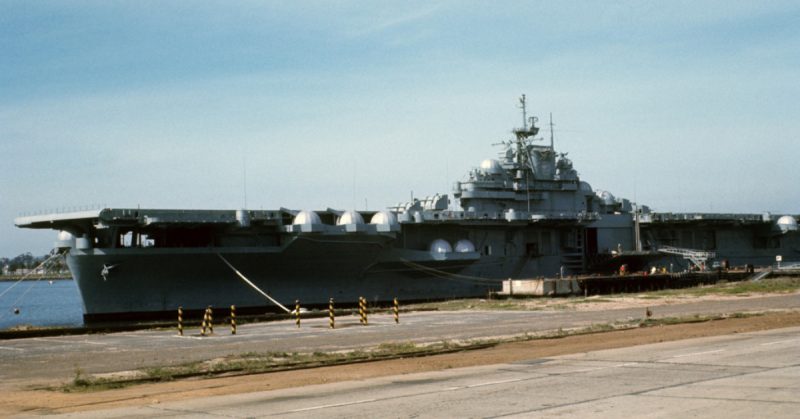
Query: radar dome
(491, 167)
(384, 217)
(787, 223)
(306, 218)
(606, 198)
(350, 217)
(440, 246)
(464, 246)
(65, 240)
(585, 187)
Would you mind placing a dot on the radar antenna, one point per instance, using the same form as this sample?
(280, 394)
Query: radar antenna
(524, 112)
(523, 133)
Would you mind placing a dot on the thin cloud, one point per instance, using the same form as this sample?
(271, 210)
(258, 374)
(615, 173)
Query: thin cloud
(387, 23)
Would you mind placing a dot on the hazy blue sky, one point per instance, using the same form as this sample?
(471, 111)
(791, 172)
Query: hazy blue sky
(686, 106)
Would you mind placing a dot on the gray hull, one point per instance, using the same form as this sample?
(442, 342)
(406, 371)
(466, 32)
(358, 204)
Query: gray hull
(142, 283)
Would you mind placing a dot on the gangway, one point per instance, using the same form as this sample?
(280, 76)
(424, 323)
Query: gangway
(699, 258)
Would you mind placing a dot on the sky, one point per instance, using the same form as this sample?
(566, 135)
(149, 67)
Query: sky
(685, 106)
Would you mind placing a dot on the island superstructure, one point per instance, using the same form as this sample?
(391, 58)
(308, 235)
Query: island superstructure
(526, 214)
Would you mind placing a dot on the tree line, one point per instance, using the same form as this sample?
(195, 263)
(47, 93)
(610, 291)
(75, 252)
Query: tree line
(29, 261)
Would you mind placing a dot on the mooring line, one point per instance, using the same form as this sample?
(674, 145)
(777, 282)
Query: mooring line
(253, 285)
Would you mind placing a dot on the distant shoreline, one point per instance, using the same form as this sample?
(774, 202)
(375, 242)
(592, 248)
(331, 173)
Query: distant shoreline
(59, 277)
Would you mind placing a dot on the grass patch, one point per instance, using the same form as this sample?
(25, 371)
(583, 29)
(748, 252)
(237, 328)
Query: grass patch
(254, 363)
(509, 304)
(779, 285)
(86, 383)
(477, 304)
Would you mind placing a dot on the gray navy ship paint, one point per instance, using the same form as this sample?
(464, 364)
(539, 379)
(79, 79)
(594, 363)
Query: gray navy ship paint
(526, 214)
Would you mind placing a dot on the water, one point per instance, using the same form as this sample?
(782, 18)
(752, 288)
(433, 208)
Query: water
(43, 304)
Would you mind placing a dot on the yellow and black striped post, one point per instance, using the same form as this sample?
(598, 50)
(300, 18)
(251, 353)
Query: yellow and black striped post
(361, 309)
(203, 325)
(233, 320)
(297, 312)
(330, 313)
(210, 321)
(180, 321)
(396, 311)
(364, 300)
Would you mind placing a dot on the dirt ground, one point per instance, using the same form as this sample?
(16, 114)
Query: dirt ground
(40, 401)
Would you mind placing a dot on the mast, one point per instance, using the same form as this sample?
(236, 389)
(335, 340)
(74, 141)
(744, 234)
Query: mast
(524, 132)
(637, 238)
(551, 132)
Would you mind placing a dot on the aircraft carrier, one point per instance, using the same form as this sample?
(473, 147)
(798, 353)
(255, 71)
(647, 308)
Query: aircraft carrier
(526, 214)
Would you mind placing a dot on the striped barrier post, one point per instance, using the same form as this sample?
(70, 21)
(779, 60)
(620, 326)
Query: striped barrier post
(330, 312)
(203, 325)
(233, 320)
(366, 321)
(361, 310)
(180, 321)
(396, 311)
(297, 312)
(210, 321)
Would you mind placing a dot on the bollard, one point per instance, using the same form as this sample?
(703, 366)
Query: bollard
(330, 312)
(297, 312)
(180, 321)
(396, 311)
(210, 321)
(362, 310)
(366, 321)
(233, 320)
(204, 325)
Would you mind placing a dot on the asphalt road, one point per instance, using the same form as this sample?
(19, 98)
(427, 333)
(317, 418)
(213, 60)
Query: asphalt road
(735, 376)
(56, 358)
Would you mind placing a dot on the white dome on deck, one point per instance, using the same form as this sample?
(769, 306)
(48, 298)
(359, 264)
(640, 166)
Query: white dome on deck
(464, 246)
(491, 167)
(306, 218)
(384, 217)
(606, 197)
(350, 217)
(440, 246)
(787, 223)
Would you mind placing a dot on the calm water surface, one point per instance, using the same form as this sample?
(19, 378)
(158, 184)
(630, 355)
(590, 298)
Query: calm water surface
(40, 303)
